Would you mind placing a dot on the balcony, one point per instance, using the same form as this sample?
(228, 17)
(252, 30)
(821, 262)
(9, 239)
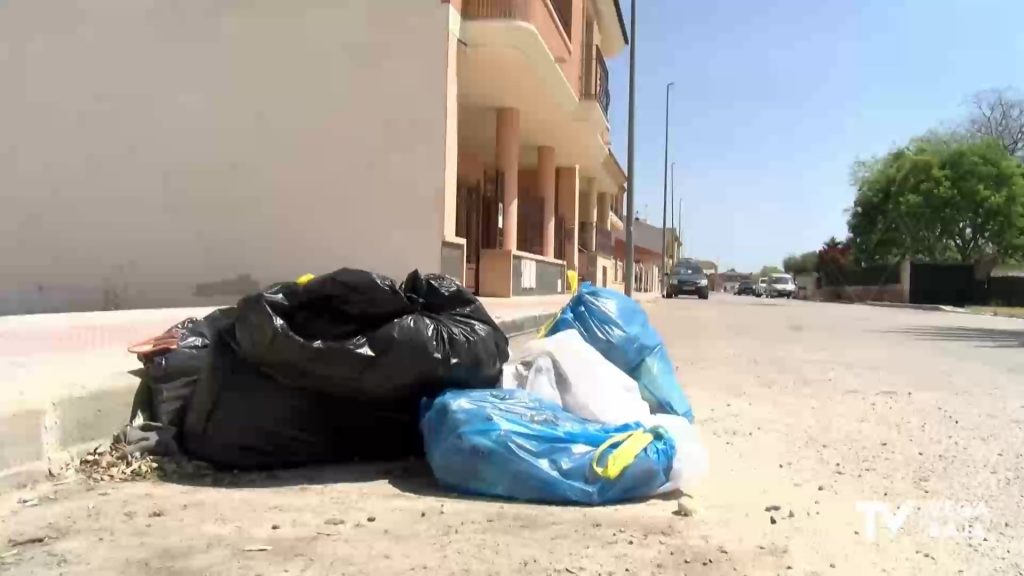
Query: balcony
(597, 88)
(551, 18)
(516, 54)
(615, 221)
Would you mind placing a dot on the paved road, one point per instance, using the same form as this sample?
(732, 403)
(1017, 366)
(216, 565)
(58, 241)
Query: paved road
(814, 407)
(808, 407)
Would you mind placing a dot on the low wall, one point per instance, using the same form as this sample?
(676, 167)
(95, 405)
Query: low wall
(505, 273)
(495, 273)
(883, 293)
(453, 259)
(886, 289)
(534, 275)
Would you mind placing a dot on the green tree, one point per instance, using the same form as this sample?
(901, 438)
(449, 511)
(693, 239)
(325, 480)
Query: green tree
(800, 264)
(938, 199)
(769, 270)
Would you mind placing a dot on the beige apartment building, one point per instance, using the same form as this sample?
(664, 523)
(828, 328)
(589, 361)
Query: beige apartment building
(162, 154)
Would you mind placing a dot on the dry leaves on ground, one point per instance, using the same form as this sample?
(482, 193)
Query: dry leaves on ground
(114, 463)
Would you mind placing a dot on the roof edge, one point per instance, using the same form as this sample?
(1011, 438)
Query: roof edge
(622, 22)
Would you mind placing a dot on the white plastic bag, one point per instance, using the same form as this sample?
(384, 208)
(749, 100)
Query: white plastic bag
(566, 370)
(536, 374)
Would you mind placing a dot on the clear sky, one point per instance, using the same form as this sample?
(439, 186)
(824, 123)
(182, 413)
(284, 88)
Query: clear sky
(774, 100)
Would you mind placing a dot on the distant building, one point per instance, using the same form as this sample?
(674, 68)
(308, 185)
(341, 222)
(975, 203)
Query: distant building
(730, 279)
(708, 266)
(648, 254)
(732, 276)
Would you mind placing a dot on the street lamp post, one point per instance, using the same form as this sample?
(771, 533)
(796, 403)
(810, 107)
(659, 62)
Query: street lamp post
(671, 206)
(664, 200)
(630, 179)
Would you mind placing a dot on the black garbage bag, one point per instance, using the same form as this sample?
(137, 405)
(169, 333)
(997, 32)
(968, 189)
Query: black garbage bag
(334, 370)
(171, 366)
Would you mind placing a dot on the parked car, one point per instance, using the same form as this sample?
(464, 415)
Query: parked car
(760, 289)
(746, 288)
(687, 277)
(780, 286)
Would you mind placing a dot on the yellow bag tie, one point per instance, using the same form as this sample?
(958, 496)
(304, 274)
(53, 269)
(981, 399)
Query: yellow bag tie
(547, 326)
(302, 280)
(633, 443)
(572, 281)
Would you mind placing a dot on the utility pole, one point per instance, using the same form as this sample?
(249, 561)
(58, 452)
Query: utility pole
(664, 200)
(630, 179)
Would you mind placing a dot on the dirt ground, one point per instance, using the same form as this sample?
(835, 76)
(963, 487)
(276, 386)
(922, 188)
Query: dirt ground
(807, 410)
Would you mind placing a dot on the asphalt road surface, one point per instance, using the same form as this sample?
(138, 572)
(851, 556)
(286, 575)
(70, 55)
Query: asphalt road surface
(844, 440)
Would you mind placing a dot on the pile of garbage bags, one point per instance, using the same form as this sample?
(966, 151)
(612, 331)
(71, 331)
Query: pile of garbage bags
(351, 366)
(332, 369)
(590, 414)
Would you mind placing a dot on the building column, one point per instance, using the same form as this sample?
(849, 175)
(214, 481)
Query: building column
(905, 280)
(451, 151)
(604, 202)
(546, 188)
(569, 209)
(507, 159)
(588, 215)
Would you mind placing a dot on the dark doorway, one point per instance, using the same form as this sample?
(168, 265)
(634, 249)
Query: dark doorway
(951, 284)
(468, 217)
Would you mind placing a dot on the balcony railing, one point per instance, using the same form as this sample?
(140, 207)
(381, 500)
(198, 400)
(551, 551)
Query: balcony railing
(551, 18)
(599, 89)
(496, 9)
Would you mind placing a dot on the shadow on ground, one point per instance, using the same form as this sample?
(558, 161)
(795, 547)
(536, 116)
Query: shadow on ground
(408, 476)
(986, 337)
(411, 477)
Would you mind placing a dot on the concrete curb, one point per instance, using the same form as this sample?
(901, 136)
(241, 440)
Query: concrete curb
(40, 440)
(513, 327)
(43, 438)
(928, 307)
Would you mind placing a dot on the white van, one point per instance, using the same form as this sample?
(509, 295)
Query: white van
(780, 286)
(761, 290)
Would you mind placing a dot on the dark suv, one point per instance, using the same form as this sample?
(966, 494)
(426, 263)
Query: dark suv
(687, 277)
(746, 288)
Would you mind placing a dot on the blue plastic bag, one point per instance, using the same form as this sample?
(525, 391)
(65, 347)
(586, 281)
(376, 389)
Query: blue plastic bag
(512, 444)
(617, 326)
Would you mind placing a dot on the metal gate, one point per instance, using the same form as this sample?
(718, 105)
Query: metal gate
(941, 284)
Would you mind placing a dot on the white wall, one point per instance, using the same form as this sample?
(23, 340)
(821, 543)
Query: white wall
(147, 146)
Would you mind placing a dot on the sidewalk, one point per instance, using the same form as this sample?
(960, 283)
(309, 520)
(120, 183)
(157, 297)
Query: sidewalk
(68, 382)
